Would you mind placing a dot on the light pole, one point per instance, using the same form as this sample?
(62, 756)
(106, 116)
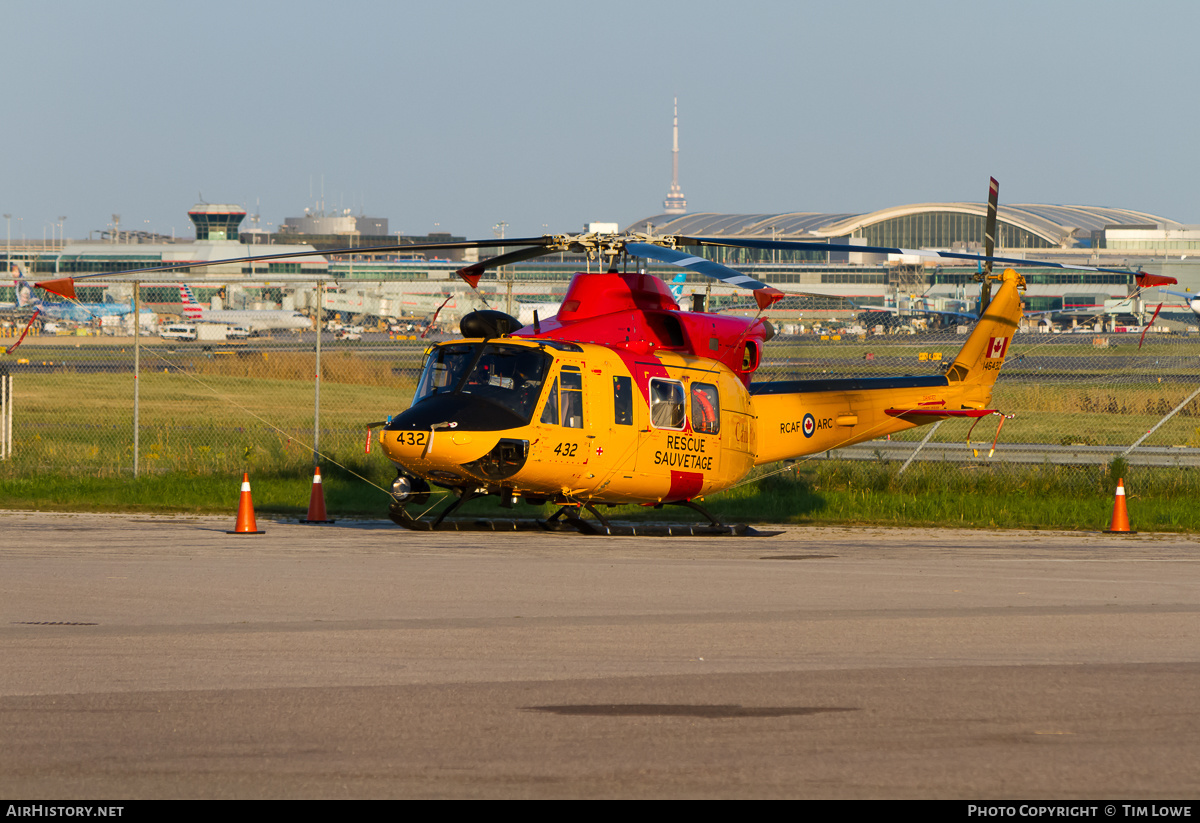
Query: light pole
(498, 230)
(62, 237)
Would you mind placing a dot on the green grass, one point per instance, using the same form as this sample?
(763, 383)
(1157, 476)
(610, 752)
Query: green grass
(254, 412)
(820, 493)
(254, 408)
(985, 496)
(217, 424)
(227, 422)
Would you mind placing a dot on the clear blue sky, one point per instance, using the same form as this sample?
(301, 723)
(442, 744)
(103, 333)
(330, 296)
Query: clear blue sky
(455, 116)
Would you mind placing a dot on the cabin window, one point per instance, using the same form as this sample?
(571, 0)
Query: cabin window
(666, 403)
(623, 401)
(706, 409)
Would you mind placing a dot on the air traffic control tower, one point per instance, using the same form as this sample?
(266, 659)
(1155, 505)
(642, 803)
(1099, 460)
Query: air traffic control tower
(217, 239)
(216, 222)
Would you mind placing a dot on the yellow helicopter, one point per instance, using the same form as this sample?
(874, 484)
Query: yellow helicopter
(666, 414)
(624, 397)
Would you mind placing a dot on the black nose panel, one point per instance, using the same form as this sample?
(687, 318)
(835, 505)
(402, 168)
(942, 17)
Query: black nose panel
(470, 413)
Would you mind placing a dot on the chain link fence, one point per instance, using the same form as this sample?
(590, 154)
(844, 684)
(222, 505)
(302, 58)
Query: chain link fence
(1077, 400)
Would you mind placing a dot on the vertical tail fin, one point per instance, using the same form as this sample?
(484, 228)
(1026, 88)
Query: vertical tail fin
(979, 362)
(191, 309)
(25, 295)
(676, 286)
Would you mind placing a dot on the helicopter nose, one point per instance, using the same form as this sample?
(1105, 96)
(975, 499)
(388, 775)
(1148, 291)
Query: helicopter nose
(455, 411)
(448, 437)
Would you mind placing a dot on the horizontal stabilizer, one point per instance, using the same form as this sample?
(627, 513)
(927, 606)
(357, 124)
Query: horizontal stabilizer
(938, 413)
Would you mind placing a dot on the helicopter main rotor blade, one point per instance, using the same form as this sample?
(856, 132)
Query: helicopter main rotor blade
(764, 295)
(989, 228)
(1144, 278)
(473, 272)
(65, 286)
(989, 246)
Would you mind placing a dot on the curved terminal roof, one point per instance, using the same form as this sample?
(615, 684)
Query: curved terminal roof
(1062, 226)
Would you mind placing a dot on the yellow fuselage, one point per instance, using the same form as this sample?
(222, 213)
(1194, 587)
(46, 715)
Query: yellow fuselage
(603, 453)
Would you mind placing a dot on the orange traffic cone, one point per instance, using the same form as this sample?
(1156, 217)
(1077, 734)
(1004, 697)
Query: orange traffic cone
(245, 516)
(1120, 517)
(316, 501)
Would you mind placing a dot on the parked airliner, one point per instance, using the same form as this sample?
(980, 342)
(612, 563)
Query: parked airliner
(256, 320)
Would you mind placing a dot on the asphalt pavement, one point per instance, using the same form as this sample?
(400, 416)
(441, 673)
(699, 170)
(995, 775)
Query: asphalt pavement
(159, 657)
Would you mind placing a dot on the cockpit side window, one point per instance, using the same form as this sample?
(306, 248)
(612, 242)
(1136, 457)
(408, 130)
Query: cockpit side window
(572, 397)
(550, 410)
(564, 401)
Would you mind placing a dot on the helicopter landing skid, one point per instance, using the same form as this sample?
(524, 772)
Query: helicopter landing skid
(568, 519)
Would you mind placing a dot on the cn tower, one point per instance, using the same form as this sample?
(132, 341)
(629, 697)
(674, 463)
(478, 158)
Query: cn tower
(675, 203)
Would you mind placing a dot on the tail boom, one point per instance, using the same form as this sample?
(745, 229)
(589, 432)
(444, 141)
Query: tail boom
(802, 417)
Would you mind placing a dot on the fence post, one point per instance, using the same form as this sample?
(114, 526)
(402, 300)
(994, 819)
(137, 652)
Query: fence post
(6, 404)
(137, 370)
(317, 377)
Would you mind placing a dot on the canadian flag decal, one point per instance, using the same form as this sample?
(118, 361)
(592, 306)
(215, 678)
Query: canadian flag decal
(996, 347)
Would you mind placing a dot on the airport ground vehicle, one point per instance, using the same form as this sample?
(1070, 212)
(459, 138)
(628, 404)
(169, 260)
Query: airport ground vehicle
(178, 331)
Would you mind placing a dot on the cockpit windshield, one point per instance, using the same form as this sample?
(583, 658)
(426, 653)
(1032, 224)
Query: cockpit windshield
(511, 376)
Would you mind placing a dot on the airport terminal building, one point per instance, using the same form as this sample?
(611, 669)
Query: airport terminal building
(1081, 235)
(923, 225)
